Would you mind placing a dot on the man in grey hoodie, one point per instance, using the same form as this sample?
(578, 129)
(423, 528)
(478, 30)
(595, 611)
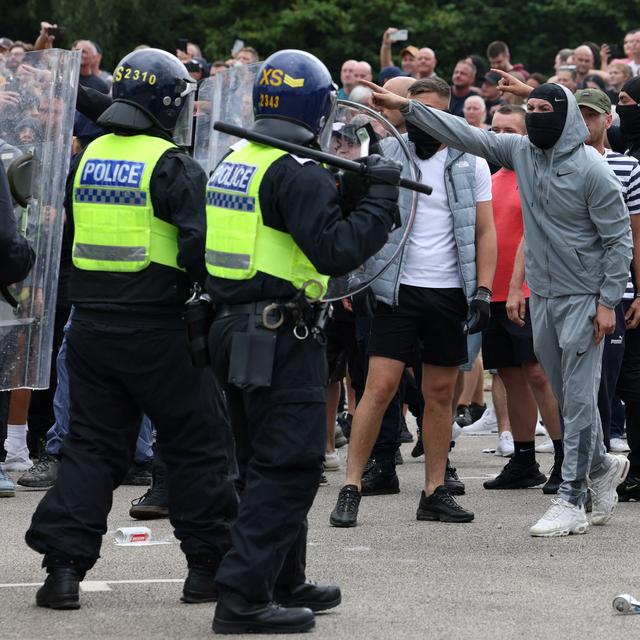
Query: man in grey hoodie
(577, 254)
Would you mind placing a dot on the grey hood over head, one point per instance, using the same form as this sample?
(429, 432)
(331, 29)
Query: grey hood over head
(577, 230)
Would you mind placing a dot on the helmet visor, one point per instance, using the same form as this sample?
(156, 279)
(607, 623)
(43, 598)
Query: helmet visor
(324, 135)
(182, 132)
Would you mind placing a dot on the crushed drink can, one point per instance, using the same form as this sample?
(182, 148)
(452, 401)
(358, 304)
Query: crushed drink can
(132, 535)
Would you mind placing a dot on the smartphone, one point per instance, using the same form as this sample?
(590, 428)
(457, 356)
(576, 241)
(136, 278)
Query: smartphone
(399, 36)
(237, 45)
(181, 44)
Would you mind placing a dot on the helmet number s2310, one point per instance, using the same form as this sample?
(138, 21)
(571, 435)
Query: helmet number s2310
(127, 73)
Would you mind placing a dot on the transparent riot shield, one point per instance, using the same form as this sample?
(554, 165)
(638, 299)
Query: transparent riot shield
(37, 104)
(356, 131)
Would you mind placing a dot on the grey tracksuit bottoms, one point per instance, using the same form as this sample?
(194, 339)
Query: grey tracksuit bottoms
(564, 344)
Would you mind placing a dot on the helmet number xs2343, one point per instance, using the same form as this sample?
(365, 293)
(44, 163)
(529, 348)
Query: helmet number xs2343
(269, 101)
(127, 73)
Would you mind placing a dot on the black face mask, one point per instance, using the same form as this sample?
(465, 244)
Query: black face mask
(426, 144)
(629, 121)
(545, 129)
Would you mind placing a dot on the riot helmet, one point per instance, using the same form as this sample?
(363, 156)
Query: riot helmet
(152, 89)
(294, 98)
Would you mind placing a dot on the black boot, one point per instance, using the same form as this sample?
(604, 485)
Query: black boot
(234, 614)
(317, 597)
(61, 589)
(155, 503)
(381, 479)
(200, 583)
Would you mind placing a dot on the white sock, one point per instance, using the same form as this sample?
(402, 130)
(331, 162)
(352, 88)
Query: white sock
(16, 440)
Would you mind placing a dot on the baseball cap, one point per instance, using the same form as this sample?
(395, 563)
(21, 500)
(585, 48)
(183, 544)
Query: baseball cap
(594, 99)
(492, 78)
(410, 49)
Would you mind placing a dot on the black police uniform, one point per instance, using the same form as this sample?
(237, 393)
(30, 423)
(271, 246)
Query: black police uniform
(128, 355)
(280, 429)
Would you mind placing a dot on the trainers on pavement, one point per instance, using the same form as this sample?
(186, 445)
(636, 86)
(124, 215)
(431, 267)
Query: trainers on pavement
(505, 446)
(340, 438)
(380, 480)
(541, 429)
(618, 445)
(545, 447)
(452, 481)
(477, 411)
(463, 415)
(418, 448)
(603, 489)
(7, 488)
(18, 460)
(441, 505)
(629, 489)
(42, 475)
(345, 513)
(555, 478)
(405, 434)
(331, 461)
(561, 519)
(517, 476)
(485, 425)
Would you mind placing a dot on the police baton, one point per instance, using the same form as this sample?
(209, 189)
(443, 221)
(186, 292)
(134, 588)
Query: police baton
(313, 154)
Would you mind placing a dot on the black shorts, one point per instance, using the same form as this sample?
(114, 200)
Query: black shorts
(341, 348)
(427, 321)
(504, 343)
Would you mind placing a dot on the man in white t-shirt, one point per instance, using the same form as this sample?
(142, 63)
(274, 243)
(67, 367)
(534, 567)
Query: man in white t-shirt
(425, 309)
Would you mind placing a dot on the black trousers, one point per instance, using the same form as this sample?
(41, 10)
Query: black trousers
(612, 356)
(280, 437)
(629, 391)
(4, 414)
(117, 372)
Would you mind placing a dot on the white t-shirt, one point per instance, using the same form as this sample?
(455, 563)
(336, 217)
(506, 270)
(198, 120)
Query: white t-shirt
(431, 256)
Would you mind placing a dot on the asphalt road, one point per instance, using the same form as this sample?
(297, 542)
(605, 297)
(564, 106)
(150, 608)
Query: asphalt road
(400, 578)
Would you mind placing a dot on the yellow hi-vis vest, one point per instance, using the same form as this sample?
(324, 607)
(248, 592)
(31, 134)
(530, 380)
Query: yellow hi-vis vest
(115, 226)
(239, 244)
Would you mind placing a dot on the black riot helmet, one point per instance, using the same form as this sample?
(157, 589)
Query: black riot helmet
(152, 89)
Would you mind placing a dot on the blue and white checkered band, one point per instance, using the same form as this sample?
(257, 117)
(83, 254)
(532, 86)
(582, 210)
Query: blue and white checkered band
(229, 201)
(130, 197)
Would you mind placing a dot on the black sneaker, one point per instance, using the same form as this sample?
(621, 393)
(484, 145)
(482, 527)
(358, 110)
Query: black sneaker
(418, 448)
(463, 415)
(344, 420)
(398, 459)
(139, 475)
(516, 476)
(476, 410)
(155, 503)
(629, 489)
(405, 434)
(453, 483)
(380, 480)
(441, 505)
(346, 512)
(42, 475)
(555, 479)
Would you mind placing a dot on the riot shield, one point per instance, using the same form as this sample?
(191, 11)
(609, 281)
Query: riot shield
(37, 104)
(356, 131)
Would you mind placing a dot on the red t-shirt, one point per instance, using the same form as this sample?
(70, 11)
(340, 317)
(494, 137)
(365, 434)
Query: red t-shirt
(507, 216)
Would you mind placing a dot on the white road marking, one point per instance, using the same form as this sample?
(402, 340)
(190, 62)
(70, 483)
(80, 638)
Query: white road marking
(94, 585)
(97, 585)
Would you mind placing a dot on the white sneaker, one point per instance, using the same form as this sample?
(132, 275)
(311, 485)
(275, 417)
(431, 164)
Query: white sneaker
(456, 430)
(331, 461)
(18, 460)
(545, 447)
(618, 445)
(540, 430)
(504, 447)
(486, 424)
(561, 519)
(603, 489)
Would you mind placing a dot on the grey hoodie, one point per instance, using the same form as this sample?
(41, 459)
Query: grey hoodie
(577, 231)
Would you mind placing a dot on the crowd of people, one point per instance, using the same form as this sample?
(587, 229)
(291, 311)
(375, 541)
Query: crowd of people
(524, 262)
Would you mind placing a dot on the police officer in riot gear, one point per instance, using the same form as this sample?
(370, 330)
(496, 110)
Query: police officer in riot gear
(136, 210)
(275, 235)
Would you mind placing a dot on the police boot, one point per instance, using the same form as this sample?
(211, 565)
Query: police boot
(61, 589)
(155, 503)
(200, 583)
(317, 597)
(234, 614)
(381, 479)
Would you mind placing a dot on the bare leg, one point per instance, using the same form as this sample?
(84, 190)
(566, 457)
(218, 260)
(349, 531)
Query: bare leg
(333, 398)
(382, 383)
(499, 395)
(351, 396)
(478, 392)
(521, 403)
(438, 387)
(547, 403)
(470, 383)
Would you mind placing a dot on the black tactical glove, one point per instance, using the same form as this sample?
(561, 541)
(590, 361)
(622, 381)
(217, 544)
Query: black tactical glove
(479, 311)
(383, 177)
